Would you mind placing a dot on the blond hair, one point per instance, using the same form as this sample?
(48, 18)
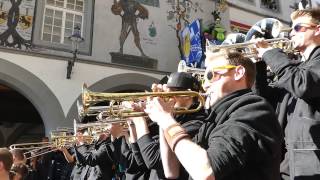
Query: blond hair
(313, 14)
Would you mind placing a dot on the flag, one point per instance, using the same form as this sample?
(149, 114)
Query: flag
(191, 43)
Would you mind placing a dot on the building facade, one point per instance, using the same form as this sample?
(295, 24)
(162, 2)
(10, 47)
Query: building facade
(123, 45)
(120, 45)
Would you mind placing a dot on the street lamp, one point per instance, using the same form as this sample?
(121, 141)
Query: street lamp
(76, 39)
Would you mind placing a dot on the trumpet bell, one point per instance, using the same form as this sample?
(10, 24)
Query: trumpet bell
(234, 38)
(267, 28)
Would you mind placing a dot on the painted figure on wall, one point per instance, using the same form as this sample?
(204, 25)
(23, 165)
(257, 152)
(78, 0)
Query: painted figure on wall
(130, 11)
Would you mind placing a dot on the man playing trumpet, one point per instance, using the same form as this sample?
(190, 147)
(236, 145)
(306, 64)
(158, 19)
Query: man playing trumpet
(296, 94)
(241, 137)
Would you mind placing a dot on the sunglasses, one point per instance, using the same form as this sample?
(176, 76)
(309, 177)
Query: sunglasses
(302, 27)
(214, 74)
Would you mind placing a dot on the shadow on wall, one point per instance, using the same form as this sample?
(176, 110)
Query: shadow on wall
(20, 133)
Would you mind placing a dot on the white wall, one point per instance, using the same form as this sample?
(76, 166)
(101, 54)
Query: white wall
(53, 73)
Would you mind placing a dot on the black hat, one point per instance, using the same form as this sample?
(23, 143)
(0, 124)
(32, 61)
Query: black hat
(164, 80)
(183, 81)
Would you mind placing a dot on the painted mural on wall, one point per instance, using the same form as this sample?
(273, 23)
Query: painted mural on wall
(130, 11)
(179, 16)
(16, 19)
(141, 37)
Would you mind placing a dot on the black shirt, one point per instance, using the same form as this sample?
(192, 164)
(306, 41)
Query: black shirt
(150, 147)
(100, 160)
(242, 138)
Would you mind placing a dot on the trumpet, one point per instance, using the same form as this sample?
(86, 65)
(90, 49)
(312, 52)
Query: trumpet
(30, 146)
(283, 43)
(196, 72)
(102, 112)
(58, 139)
(90, 98)
(268, 28)
(96, 128)
(182, 67)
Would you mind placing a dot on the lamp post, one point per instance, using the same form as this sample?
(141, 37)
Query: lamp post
(76, 39)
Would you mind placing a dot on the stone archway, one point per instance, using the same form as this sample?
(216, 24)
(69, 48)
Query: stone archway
(119, 82)
(35, 90)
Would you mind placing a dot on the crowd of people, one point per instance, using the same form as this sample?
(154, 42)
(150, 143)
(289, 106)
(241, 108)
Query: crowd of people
(250, 129)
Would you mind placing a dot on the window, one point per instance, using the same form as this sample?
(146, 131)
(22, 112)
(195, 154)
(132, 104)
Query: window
(271, 5)
(249, 1)
(56, 20)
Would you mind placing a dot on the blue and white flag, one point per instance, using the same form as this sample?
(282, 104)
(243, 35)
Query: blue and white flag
(191, 43)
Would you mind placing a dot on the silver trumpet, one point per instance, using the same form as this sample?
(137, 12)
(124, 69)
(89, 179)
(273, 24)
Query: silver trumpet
(196, 72)
(104, 112)
(96, 128)
(269, 28)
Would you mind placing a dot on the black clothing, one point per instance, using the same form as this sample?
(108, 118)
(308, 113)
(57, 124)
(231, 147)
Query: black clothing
(32, 175)
(242, 138)
(297, 100)
(43, 165)
(130, 158)
(59, 168)
(100, 160)
(79, 168)
(150, 147)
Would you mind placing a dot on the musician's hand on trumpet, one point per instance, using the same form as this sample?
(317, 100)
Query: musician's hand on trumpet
(260, 46)
(79, 138)
(161, 111)
(159, 88)
(116, 130)
(62, 149)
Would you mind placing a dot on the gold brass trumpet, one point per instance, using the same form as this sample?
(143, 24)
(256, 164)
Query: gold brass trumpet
(58, 139)
(90, 98)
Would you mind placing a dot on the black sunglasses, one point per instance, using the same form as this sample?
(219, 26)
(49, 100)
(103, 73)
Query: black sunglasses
(300, 26)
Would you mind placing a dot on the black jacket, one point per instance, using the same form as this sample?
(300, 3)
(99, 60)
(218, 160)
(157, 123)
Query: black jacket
(150, 147)
(59, 168)
(79, 169)
(100, 160)
(297, 100)
(43, 165)
(129, 157)
(242, 138)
